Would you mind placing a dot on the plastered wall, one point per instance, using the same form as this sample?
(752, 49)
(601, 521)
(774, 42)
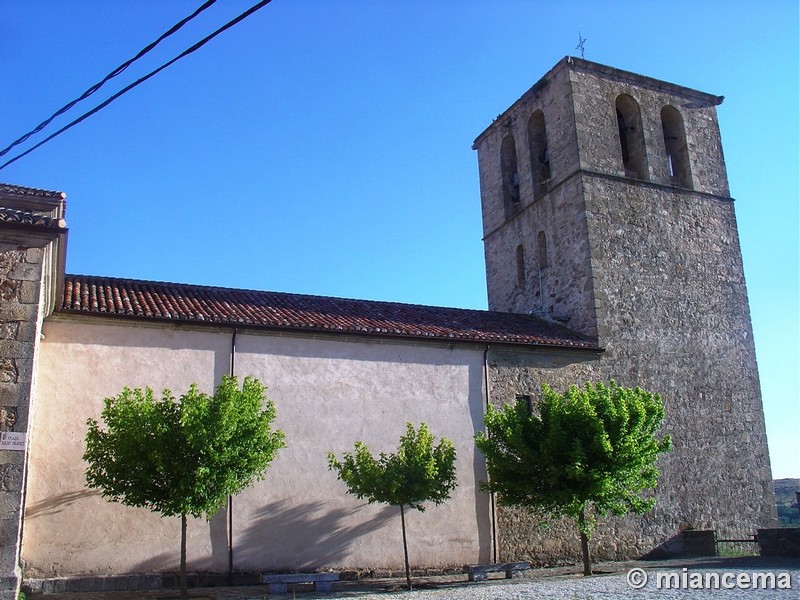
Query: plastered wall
(328, 394)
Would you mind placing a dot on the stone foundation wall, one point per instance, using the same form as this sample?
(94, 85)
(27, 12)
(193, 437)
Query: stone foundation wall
(783, 541)
(699, 543)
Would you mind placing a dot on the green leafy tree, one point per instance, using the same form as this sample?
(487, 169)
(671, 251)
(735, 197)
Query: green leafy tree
(182, 457)
(418, 472)
(588, 452)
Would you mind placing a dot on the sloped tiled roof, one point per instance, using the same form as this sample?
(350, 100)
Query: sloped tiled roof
(125, 298)
(31, 208)
(10, 215)
(19, 190)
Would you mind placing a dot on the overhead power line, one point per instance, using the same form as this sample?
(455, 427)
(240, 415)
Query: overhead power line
(141, 80)
(111, 75)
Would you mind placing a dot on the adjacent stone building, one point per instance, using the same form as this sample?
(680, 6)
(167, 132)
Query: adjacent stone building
(611, 252)
(32, 242)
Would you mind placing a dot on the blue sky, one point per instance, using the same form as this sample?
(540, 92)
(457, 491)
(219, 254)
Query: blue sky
(324, 147)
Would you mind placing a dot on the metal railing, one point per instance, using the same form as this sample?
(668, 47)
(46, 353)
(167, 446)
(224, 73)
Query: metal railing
(736, 543)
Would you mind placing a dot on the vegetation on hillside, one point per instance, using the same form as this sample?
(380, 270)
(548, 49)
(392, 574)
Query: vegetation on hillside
(786, 501)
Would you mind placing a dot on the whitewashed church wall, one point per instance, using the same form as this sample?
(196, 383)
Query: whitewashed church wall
(328, 394)
(69, 529)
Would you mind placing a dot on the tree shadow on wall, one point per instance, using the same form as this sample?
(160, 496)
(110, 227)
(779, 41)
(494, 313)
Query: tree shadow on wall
(285, 536)
(168, 560)
(55, 504)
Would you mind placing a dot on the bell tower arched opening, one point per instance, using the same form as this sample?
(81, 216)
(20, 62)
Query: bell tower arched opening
(631, 137)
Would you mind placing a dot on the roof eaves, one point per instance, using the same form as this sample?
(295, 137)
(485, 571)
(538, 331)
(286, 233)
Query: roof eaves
(278, 311)
(356, 331)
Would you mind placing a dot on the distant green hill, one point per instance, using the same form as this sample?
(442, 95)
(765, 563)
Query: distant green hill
(786, 501)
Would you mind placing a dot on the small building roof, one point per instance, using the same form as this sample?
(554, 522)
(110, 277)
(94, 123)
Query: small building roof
(9, 189)
(22, 217)
(32, 208)
(197, 304)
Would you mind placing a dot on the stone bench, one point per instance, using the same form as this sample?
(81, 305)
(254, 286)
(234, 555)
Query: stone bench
(279, 583)
(481, 572)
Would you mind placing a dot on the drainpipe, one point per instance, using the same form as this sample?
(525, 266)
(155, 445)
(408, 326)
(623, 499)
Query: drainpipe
(232, 373)
(492, 507)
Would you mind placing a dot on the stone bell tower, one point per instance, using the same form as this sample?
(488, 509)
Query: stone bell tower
(581, 152)
(606, 208)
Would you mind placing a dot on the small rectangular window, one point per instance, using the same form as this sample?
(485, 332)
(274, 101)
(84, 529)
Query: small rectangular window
(525, 400)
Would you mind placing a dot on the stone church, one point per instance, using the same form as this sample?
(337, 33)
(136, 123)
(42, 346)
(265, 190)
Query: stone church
(611, 252)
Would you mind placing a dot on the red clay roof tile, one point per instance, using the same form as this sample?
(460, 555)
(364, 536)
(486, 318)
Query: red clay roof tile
(108, 296)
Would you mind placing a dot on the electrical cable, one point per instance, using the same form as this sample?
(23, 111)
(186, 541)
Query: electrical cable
(111, 75)
(141, 80)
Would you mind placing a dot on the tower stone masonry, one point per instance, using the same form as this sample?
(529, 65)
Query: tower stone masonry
(606, 208)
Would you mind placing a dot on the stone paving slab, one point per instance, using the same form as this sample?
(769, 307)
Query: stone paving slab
(556, 583)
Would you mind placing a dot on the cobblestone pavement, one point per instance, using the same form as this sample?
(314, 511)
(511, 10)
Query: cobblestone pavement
(564, 583)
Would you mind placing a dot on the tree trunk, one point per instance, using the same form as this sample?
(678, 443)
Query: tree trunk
(230, 539)
(182, 576)
(587, 563)
(405, 547)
